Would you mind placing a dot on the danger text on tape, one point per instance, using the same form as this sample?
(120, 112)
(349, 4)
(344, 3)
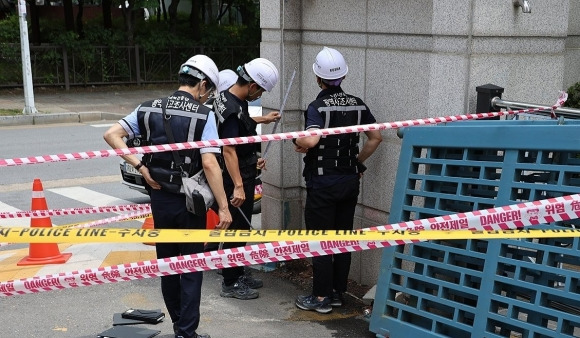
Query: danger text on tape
(538, 212)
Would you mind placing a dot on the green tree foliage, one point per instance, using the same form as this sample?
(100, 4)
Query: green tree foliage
(10, 30)
(573, 96)
(9, 35)
(237, 21)
(236, 27)
(239, 25)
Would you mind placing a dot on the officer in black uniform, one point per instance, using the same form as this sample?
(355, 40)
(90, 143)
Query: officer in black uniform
(332, 170)
(241, 161)
(185, 117)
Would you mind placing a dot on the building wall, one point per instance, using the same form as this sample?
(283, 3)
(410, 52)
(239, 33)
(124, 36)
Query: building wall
(572, 61)
(407, 59)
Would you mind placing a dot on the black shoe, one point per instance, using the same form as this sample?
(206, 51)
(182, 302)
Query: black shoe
(194, 336)
(238, 290)
(337, 300)
(251, 282)
(311, 302)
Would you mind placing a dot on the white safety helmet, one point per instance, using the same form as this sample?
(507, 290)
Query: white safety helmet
(201, 66)
(227, 79)
(261, 71)
(329, 64)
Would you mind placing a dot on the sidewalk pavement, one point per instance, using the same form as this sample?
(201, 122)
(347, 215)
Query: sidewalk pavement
(86, 311)
(78, 105)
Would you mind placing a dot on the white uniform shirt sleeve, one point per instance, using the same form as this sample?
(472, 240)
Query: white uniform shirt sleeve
(210, 133)
(130, 124)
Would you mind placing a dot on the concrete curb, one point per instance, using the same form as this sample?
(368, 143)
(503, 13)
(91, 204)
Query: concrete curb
(37, 119)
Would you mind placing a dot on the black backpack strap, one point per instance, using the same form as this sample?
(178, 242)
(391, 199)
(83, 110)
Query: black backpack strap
(170, 138)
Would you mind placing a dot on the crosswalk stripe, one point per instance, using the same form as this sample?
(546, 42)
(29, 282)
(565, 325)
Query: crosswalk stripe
(64, 182)
(102, 125)
(13, 222)
(80, 194)
(84, 256)
(89, 196)
(5, 255)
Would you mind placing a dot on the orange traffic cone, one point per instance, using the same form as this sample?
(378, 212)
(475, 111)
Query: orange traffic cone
(148, 224)
(40, 253)
(212, 219)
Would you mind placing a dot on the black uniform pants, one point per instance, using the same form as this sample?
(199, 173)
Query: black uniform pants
(181, 292)
(231, 275)
(331, 208)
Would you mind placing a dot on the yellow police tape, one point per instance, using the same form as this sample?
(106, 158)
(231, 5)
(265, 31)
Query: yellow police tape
(127, 235)
(73, 225)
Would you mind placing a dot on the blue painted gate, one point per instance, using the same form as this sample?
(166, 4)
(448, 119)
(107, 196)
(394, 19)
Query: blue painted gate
(478, 288)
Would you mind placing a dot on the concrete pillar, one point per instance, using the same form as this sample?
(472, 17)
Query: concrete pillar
(572, 62)
(282, 203)
(407, 60)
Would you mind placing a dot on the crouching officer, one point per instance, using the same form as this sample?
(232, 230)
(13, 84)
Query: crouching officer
(184, 118)
(231, 106)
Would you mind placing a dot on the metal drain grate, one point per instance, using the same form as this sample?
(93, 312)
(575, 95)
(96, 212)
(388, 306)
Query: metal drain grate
(477, 288)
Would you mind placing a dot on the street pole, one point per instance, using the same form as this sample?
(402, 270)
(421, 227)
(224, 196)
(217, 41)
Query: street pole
(26, 69)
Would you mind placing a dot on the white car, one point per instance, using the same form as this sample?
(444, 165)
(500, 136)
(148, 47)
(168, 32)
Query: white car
(134, 180)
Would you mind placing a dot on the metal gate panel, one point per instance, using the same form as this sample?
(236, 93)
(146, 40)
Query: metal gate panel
(478, 288)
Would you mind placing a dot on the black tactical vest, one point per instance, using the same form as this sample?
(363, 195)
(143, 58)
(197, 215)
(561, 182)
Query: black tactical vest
(187, 118)
(227, 106)
(335, 154)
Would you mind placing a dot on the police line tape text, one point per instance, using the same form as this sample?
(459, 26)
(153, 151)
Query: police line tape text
(69, 232)
(88, 235)
(104, 232)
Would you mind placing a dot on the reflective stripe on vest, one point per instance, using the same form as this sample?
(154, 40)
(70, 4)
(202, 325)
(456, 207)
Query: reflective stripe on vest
(335, 154)
(187, 118)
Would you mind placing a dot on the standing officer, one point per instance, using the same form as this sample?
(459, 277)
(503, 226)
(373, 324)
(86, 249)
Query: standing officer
(241, 161)
(332, 170)
(227, 79)
(189, 120)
